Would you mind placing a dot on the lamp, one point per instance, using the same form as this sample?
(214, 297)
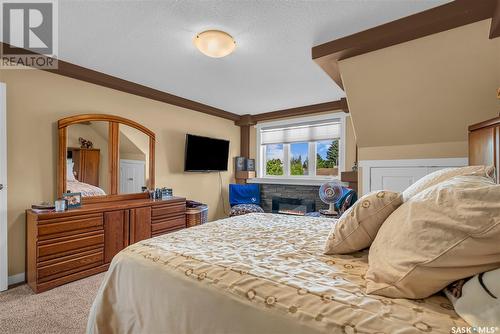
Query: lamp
(214, 43)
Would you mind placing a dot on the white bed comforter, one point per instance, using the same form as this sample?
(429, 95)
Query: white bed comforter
(258, 273)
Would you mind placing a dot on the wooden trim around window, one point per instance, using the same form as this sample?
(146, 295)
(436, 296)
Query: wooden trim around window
(245, 141)
(247, 121)
(305, 110)
(432, 21)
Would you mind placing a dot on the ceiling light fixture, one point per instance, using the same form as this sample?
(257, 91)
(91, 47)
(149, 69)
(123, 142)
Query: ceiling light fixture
(214, 43)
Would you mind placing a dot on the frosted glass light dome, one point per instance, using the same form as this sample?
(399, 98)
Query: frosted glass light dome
(214, 43)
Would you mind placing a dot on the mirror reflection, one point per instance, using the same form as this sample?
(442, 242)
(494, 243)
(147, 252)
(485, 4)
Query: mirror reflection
(87, 169)
(134, 160)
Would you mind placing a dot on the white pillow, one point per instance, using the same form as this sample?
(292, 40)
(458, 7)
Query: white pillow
(69, 171)
(477, 306)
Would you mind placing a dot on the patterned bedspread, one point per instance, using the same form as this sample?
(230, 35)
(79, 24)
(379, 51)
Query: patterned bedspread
(84, 188)
(270, 266)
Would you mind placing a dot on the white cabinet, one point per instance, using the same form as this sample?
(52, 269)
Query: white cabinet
(397, 175)
(395, 179)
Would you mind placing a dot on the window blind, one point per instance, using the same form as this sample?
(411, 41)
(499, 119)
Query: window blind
(301, 133)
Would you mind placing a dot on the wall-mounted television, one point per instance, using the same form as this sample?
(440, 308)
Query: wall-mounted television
(205, 154)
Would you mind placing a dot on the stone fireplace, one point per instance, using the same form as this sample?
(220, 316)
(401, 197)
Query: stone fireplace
(301, 192)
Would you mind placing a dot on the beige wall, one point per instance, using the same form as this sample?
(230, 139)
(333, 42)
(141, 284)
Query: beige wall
(36, 100)
(418, 151)
(350, 143)
(416, 99)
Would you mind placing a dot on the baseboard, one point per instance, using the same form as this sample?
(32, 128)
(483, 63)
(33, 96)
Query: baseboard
(16, 279)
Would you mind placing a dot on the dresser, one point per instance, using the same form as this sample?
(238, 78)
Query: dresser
(484, 144)
(67, 246)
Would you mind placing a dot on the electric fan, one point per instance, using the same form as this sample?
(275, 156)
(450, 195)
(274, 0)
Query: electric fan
(330, 193)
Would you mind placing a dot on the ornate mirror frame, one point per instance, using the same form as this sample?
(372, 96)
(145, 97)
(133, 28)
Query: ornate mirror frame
(113, 155)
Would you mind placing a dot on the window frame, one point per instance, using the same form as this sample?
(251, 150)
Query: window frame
(260, 160)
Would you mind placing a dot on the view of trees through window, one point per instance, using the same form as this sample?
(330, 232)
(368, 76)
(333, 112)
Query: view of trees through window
(327, 158)
(298, 159)
(274, 159)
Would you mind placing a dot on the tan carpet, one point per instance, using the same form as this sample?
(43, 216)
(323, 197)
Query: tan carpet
(61, 310)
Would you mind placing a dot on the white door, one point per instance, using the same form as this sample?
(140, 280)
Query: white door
(132, 176)
(3, 190)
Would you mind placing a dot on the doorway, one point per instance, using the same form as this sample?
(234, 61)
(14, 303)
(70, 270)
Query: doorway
(132, 176)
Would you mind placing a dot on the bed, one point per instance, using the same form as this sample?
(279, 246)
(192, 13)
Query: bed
(257, 273)
(86, 189)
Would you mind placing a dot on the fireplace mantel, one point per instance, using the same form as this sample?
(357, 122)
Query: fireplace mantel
(294, 181)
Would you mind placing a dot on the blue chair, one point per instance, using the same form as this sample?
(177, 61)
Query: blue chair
(349, 197)
(244, 198)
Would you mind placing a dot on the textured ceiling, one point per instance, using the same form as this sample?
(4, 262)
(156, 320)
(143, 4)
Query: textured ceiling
(150, 42)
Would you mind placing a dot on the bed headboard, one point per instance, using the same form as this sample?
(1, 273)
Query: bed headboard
(484, 144)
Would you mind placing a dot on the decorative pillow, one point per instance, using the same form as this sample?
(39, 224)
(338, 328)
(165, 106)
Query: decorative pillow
(446, 174)
(358, 226)
(447, 232)
(241, 209)
(69, 171)
(479, 300)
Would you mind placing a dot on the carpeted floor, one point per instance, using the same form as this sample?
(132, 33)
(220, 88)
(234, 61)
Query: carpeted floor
(61, 310)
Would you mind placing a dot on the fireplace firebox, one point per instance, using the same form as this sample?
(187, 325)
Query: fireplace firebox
(292, 206)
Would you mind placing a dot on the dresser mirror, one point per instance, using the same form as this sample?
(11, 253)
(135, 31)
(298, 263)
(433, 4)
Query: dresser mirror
(87, 162)
(104, 157)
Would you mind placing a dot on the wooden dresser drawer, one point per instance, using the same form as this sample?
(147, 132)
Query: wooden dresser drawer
(163, 225)
(62, 247)
(168, 209)
(70, 264)
(59, 227)
(69, 245)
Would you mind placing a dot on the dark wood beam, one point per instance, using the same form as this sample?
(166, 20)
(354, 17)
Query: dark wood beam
(432, 21)
(245, 123)
(495, 22)
(98, 78)
(305, 110)
(245, 141)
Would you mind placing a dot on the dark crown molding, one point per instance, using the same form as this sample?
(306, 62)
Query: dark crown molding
(98, 78)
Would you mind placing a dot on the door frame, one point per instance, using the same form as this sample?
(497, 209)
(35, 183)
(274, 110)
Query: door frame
(4, 274)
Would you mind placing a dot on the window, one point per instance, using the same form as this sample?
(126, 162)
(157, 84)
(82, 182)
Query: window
(274, 159)
(327, 157)
(307, 148)
(299, 158)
